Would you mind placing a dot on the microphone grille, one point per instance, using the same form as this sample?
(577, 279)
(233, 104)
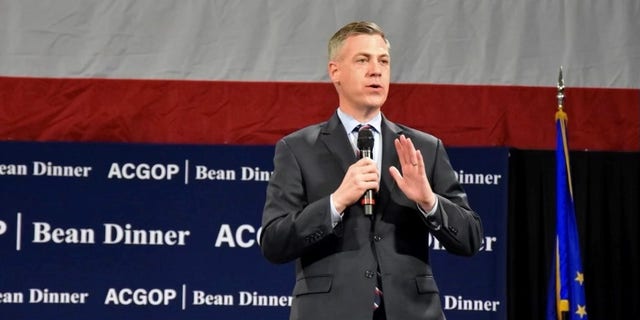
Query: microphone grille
(365, 138)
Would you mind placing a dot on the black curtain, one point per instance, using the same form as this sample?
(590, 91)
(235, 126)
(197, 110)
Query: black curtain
(607, 205)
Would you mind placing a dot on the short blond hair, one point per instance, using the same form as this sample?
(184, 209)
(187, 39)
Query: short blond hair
(351, 29)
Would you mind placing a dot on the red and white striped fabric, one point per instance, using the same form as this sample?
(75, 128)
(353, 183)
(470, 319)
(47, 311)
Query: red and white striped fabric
(475, 73)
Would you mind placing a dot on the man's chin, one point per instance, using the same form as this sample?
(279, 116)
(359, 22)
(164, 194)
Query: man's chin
(375, 103)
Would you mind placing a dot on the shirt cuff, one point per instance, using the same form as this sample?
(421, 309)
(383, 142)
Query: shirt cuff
(336, 217)
(431, 212)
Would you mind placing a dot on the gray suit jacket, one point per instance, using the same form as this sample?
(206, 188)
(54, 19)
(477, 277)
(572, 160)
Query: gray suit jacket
(336, 266)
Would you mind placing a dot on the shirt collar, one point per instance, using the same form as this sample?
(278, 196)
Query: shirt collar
(350, 123)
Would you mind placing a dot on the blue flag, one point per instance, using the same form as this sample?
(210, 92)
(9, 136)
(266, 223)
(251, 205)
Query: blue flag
(566, 298)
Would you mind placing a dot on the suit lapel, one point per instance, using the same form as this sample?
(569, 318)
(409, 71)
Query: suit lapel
(334, 137)
(390, 131)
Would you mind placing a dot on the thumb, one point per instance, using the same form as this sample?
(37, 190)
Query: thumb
(395, 174)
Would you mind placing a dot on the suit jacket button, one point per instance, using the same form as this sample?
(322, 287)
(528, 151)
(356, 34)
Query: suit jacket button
(369, 274)
(377, 238)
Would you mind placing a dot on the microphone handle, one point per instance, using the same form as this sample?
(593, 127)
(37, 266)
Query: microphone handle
(367, 200)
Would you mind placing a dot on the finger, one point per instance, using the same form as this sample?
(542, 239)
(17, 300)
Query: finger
(401, 150)
(374, 186)
(370, 177)
(369, 169)
(362, 162)
(413, 158)
(420, 160)
(407, 152)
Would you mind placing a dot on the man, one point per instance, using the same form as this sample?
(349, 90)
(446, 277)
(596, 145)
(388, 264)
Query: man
(346, 260)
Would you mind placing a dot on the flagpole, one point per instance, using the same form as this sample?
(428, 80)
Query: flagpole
(562, 116)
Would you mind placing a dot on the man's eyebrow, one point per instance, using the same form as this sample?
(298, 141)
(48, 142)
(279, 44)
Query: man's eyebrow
(372, 54)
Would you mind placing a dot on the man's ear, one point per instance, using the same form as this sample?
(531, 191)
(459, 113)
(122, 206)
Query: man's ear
(334, 72)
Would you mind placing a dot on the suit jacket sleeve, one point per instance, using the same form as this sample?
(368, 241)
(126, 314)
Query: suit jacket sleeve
(454, 223)
(290, 225)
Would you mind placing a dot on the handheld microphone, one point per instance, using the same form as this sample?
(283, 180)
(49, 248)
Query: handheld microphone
(365, 145)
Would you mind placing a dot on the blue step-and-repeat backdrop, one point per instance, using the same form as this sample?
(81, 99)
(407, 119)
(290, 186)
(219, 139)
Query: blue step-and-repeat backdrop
(145, 231)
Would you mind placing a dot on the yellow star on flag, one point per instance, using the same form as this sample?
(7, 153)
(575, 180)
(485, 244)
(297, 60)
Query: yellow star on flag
(579, 277)
(582, 311)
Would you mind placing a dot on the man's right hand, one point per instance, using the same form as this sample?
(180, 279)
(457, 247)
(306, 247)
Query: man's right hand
(360, 177)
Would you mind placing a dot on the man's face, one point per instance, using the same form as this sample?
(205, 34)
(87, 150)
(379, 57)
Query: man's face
(361, 72)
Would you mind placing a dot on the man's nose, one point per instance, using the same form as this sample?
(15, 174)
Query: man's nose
(375, 69)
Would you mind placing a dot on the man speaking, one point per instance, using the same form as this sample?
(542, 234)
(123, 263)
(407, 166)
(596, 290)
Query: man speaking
(349, 264)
